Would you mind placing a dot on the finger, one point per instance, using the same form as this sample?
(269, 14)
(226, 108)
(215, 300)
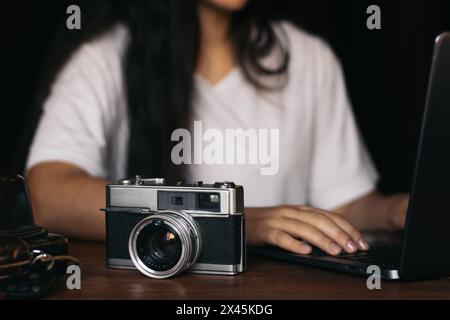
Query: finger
(318, 219)
(308, 233)
(288, 243)
(343, 223)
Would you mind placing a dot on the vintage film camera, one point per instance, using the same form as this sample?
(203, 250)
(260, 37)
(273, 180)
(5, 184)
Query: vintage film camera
(163, 230)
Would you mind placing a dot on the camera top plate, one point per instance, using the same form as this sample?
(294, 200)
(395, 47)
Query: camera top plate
(147, 193)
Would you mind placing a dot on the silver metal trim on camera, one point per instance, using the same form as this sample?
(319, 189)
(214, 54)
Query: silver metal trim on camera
(144, 196)
(186, 229)
(201, 268)
(217, 269)
(121, 264)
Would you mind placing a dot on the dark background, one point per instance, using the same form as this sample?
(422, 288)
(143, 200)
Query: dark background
(386, 70)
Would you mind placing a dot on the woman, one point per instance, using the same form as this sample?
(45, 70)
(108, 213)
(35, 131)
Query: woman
(165, 64)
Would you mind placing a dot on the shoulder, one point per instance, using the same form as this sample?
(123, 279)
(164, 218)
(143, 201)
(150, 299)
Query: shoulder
(113, 41)
(99, 57)
(93, 73)
(308, 52)
(90, 83)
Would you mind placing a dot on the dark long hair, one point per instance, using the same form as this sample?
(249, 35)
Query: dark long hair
(160, 63)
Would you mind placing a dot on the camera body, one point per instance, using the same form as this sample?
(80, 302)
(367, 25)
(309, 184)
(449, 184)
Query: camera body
(163, 230)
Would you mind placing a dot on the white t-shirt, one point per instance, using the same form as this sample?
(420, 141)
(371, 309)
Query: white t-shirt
(322, 159)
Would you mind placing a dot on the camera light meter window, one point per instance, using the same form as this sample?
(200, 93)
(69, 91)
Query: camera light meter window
(209, 201)
(214, 198)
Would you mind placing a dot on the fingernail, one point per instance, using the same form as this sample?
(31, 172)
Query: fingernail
(307, 249)
(351, 246)
(335, 249)
(363, 244)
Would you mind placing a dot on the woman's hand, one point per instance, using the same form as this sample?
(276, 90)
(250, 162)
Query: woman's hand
(296, 228)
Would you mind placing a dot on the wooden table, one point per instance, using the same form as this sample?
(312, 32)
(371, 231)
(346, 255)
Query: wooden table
(264, 279)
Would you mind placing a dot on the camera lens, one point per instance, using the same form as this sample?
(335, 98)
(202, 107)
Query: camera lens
(158, 246)
(165, 244)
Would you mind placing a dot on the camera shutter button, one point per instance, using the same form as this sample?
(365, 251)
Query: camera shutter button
(224, 185)
(126, 182)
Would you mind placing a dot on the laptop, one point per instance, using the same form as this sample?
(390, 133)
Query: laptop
(424, 250)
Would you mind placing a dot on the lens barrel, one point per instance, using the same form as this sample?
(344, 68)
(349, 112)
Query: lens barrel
(165, 244)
